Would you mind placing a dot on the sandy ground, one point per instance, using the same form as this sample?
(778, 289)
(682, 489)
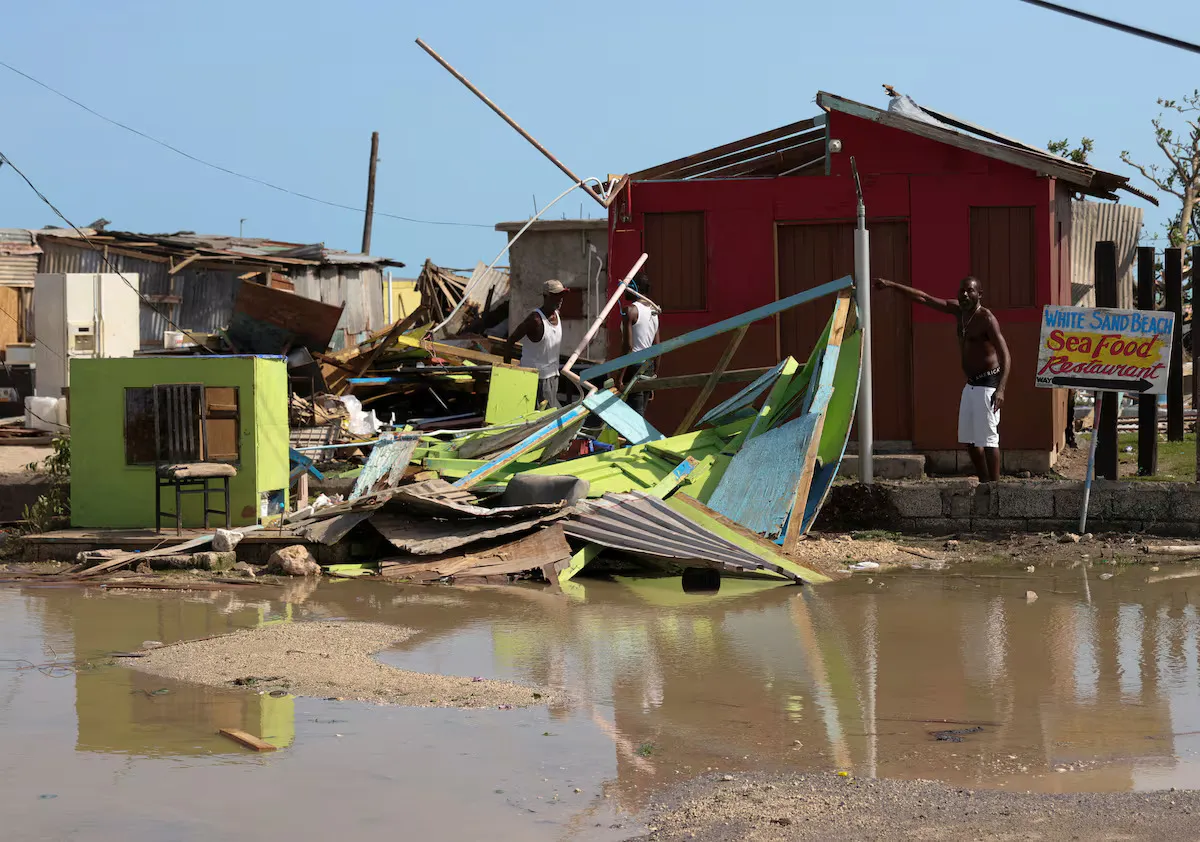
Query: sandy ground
(829, 807)
(14, 458)
(327, 660)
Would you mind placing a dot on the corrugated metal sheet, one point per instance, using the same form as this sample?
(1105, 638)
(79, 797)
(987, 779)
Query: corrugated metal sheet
(644, 525)
(1098, 222)
(18, 257)
(359, 288)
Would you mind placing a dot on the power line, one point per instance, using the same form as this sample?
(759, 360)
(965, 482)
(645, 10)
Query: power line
(1120, 27)
(226, 170)
(103, 255)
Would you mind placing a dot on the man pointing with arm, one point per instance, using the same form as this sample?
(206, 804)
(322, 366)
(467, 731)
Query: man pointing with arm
(985, 362)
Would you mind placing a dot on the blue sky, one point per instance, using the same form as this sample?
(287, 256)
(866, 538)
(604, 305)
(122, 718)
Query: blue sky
(290, 92)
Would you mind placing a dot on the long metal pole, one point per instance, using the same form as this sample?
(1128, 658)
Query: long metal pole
(862, 279)
(1091, 465)
(370, 215)
(590, 190)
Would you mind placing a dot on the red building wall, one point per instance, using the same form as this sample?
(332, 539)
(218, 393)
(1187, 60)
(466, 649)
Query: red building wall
(930, 185)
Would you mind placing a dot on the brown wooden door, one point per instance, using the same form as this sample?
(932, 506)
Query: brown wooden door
(811, 255)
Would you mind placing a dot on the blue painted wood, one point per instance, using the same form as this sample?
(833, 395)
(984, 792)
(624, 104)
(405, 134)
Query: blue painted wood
(709, 331)
(759, 486)
(743, 398)
(621, 417)
(301, 463)
(528, 443)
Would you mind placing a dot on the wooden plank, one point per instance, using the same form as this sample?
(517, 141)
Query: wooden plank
(528, 443)
(724, 326)
(662, 170)
(672, 480)
(178, 267)
(744, 158)
(545, 547)
(706, 391)
(747, 396)
(695, 381)
(836, 331)
(579, 561)
(248, 740)
(425, 536)
(621, 417)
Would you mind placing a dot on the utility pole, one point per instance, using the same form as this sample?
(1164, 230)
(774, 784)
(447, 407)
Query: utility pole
(366, 243)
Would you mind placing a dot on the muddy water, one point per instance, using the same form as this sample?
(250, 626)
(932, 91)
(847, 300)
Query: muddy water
(1097, 678)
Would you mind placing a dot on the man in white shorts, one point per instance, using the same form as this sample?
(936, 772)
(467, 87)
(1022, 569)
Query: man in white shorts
(986, 363)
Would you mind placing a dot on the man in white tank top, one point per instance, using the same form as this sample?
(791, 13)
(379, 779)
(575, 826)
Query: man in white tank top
(540, 335)
(639, 331)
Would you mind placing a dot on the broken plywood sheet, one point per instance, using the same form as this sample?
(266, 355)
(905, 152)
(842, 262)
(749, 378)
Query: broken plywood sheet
(621, 417)
(422, 536)
(331, 530)
(545, 548)
(385, 466)
(438, 498)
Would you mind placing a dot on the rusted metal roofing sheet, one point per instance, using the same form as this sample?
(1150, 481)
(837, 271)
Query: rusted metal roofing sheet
(643, 525)
(18, 257)
(1098, 222)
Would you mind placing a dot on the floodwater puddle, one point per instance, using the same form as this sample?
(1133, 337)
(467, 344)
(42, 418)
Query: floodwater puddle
(956, 676)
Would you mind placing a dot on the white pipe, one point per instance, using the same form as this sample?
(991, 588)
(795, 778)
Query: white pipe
(470, 289)
(566, 369)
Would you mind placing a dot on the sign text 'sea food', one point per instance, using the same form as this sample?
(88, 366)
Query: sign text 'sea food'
(1108, 350)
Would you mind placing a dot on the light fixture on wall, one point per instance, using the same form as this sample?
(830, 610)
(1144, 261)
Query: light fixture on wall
(835, 146)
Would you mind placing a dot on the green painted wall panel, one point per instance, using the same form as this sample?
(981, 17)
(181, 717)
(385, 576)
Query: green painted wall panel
(512, 394)
(107, 493)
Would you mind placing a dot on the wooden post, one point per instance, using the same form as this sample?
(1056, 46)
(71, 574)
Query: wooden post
(302, 490)
(1104, 417)
(710, 384)
(1173, 276)
(370, 215)
(1147, 446)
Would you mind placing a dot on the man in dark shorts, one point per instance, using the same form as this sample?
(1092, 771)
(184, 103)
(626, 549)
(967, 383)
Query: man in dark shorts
(986, 363)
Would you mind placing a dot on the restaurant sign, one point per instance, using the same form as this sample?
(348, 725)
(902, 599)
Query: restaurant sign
(1105, 350)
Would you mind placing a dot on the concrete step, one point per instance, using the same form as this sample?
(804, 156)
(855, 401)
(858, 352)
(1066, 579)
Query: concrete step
(886, 466)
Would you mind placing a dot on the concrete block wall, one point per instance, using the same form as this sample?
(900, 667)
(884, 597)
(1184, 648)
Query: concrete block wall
(940, 507)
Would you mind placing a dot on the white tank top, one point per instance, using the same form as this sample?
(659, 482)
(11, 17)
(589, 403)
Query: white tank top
(543, 355)
(645, 328)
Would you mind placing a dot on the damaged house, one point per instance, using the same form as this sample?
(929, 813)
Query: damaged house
(765, 217)
(193, 278)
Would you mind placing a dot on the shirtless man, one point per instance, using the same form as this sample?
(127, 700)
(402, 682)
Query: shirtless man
(985, 362)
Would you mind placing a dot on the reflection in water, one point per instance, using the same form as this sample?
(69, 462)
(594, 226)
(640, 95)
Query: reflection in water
(665, 682)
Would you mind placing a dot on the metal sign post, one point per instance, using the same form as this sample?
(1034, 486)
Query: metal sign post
(1091, 463)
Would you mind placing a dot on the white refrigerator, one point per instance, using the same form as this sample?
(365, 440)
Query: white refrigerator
(81, 316)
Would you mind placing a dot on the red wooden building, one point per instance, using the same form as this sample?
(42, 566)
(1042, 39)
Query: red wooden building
(765, 217)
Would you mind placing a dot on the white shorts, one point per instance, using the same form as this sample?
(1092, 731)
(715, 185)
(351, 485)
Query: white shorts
(978, 423)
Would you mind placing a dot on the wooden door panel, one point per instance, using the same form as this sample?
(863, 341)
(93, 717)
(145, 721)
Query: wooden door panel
(810, 255)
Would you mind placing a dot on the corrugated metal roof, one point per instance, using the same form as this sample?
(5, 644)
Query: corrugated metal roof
(1098, 222)
(186, 243)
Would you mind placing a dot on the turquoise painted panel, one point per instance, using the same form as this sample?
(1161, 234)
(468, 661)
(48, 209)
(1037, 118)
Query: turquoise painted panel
(621, 417)
(759, 485)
